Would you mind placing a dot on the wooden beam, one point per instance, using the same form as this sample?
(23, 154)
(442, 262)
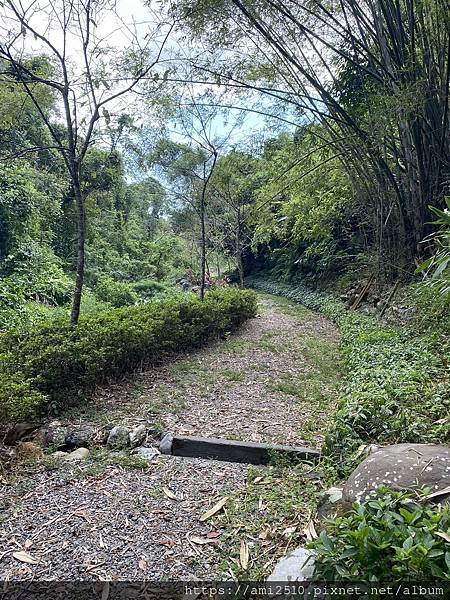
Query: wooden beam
(237, 451)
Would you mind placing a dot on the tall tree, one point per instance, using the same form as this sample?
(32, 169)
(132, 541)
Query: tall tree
(87, 78)
(312, 56)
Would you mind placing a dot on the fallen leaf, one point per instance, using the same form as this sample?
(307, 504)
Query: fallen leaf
(244, 555)
(438, 493)
(289, 530)
(167, 543)
(262, 481)
(310, 532)
(215, 509)
(25, 557)
(105, 591)
(169, 493)
(213, 534)
(443, 535)
(201, 541)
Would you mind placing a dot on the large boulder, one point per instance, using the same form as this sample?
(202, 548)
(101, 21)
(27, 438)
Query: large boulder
(400, 467)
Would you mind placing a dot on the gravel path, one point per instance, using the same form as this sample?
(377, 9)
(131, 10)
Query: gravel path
(117, 523)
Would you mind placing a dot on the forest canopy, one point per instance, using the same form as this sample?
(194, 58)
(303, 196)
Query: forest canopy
(308, 139)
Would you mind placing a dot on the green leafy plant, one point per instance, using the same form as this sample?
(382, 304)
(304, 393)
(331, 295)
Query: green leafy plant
(396, 387)
(437, 268)
(117, 293)
(391, 537)
(53, 361)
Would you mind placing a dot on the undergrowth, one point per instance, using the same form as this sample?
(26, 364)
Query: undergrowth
(51, 362)
(394, 537)
(396, 387)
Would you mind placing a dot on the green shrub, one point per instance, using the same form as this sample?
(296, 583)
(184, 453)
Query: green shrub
(149, 288)
(18, 399)
(396, 388)
(58, 361)
(117, 293)
(392, 537)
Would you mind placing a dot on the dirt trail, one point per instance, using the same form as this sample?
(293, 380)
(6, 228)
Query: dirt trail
(273, 380)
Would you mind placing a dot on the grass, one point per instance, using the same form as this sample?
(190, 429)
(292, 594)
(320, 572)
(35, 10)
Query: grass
(267, 518)
(231, 375)
(97, 462)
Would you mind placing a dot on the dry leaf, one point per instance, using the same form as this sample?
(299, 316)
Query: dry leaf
(105, 591)
(213, 534)
(169, 493)
(201, 541)
(438, 493)
(215, 509)
(168, 543)
(25, 557)
(262, 481)
(443, 535)
(289, 530)
(244, 555)
(310, 532)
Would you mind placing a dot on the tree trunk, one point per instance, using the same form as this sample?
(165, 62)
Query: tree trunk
(218, 264)
(240, 265)
(203, 247)
(81, 222)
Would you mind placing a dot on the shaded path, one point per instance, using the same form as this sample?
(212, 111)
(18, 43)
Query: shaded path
(273, 380)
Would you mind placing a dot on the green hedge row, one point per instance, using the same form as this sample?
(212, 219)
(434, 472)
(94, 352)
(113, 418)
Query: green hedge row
(396, 388)
(54, 361)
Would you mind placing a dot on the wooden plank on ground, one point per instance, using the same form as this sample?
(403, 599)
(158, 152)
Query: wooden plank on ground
(237, 451)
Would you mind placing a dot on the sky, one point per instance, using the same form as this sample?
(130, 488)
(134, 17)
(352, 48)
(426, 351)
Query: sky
(131, 25)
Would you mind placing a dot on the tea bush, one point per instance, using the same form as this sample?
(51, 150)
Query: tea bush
(392, 537)
(53, 361)
(117, 293)
(396, 388)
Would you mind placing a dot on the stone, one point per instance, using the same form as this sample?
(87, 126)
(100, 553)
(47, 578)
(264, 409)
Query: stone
(146, 453)
(78, 454)
(59, 454)
(400, 467)
(165, 445)
(19, 432)
(137, 436)
(79, 438)
(55, 434)
(297, 566)
(330, 505)
(118, 437)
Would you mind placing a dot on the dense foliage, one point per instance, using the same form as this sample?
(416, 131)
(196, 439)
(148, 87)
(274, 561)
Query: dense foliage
(392, 537)
(53, 361)
(396, 388)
